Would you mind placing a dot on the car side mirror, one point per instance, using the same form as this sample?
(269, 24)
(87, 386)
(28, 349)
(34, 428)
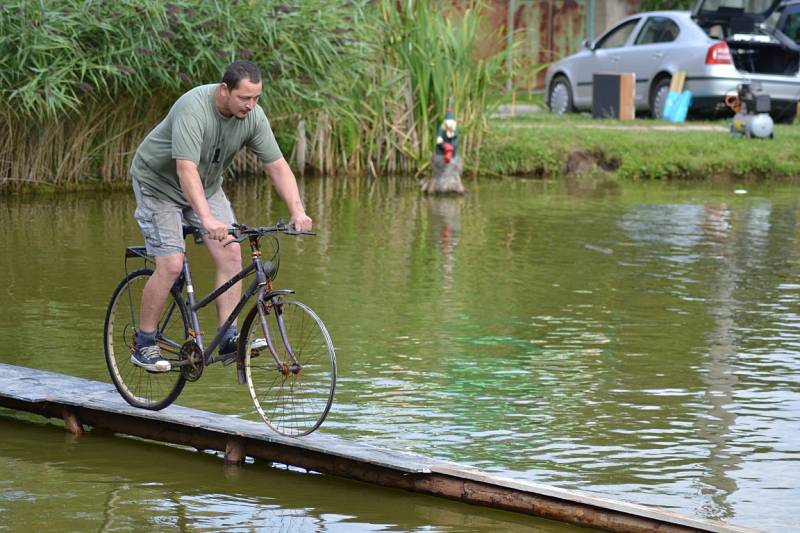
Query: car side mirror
(588, 45)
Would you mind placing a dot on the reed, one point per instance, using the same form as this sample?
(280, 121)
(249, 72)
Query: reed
(350, 86)
(426, 62)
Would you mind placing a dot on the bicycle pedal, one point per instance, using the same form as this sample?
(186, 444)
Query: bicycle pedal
(228, 359)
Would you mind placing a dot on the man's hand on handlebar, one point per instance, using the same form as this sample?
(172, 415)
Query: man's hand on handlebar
(215, 230)
(301, 222)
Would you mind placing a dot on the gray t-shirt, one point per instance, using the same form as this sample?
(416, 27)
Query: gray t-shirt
(194, 130)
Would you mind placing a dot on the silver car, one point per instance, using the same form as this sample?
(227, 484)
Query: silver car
(719, 44)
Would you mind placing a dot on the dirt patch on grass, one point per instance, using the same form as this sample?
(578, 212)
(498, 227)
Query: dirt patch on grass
(589, 161)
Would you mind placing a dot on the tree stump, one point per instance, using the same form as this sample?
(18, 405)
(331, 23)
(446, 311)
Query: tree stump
(445, 177)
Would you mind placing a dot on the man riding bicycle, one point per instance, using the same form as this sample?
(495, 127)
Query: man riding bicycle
(177, 174)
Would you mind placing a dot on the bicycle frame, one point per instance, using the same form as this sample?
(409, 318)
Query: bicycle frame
(194, 306)
(260, 286)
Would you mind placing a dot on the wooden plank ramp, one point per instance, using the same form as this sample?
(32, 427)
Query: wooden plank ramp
(80, 402)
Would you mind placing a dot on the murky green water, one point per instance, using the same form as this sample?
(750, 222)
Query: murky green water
(640, 342)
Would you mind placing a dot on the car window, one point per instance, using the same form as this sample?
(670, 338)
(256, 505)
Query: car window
(750, 7)
(791, 25)
(618, 36)
(657, 30)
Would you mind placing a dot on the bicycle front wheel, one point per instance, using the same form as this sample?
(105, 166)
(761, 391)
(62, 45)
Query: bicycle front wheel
(290, 365)
(140, 387)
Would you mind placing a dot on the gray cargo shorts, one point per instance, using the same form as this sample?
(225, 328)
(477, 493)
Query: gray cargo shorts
(161, 221)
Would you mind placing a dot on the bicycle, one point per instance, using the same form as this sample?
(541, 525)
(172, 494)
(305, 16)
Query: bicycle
(284, 352)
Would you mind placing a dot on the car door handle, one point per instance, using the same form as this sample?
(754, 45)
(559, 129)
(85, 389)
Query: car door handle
(614, 59)
(658, 55)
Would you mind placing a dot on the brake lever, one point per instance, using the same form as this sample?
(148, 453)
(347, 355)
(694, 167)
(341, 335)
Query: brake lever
(237, 237)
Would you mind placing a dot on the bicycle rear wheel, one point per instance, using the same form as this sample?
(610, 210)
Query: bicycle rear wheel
(139, 387)
(294, 394)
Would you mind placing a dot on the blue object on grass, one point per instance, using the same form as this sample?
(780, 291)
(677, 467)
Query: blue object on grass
(669, 105)
(676, 106)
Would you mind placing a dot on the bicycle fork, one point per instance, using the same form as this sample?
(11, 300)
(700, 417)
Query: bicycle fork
(272, 299)
(282, 366)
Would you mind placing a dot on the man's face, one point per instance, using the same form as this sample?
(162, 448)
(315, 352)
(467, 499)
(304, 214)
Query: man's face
(240, 101)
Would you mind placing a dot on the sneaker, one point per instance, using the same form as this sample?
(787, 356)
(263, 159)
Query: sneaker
(256, 346)
(229, 346)
(149, 358)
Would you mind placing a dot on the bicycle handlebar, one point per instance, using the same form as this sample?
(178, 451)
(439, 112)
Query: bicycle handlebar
(240, 232)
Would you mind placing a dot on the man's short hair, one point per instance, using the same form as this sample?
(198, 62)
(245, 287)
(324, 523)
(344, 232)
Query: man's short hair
(239, 70)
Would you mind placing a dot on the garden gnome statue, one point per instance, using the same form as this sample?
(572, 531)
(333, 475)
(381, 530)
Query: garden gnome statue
(446, 165)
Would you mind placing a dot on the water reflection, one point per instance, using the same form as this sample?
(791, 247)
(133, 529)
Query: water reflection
(445, 217)
(718, 371)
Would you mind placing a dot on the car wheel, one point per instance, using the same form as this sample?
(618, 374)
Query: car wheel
(560, 97)
(658, 97)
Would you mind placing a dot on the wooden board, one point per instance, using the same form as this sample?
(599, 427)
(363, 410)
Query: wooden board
(627, 96)
(99, 405)
(677, 82)
(37, 386)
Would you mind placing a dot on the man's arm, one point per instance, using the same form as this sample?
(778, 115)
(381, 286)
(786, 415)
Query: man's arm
(285, 183)
(192, 188)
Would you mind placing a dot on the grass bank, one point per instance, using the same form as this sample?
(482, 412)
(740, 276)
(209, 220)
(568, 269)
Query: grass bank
(543, 145)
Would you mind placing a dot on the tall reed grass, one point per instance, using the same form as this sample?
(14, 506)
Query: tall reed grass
(350, 86)
(417, 61)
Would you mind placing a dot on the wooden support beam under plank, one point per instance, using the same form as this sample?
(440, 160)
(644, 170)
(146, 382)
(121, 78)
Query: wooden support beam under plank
(71, 421)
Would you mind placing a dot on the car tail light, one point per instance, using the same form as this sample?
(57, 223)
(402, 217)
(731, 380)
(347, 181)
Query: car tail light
(719, 54)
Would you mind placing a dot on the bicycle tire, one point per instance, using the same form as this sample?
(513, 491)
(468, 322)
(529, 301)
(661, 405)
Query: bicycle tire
(139, 387)
(291, 403)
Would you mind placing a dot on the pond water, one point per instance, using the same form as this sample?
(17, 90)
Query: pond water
(635, 341)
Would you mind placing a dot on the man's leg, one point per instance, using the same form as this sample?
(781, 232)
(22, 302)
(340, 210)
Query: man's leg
(228, 262)
(147, 353)
(156, 290)
(160, 222)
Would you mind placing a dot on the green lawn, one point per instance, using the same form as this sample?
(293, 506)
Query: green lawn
(541, 144)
